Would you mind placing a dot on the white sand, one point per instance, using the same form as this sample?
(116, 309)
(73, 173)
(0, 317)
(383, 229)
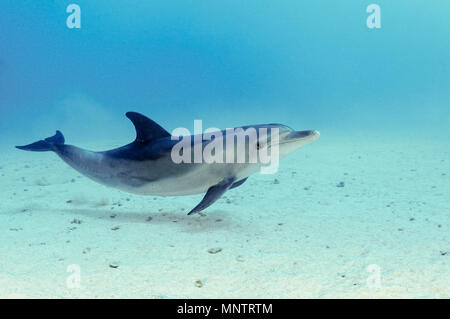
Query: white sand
(277, 240)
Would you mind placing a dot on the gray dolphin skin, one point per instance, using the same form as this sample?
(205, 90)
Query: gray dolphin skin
(146, 166)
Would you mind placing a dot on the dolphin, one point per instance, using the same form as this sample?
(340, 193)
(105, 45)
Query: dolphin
(147, 166)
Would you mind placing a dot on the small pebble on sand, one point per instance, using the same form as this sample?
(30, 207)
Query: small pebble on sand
(214, 250)
(42, 182)
(240, 259)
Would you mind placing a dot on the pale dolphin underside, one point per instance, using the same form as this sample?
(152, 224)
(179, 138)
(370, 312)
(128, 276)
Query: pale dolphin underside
(146, 166)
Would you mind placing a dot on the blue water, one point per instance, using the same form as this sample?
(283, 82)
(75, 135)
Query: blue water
(308, 64)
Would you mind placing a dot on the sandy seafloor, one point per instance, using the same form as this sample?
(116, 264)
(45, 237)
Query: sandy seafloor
(303, 237)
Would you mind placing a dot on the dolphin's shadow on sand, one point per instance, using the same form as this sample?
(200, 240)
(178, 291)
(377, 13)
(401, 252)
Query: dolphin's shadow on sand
(198, 223)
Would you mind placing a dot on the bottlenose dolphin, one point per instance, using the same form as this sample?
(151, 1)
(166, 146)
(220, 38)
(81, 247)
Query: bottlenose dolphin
(146, 166)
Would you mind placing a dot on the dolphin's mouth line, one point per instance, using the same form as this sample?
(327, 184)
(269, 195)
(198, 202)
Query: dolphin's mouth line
(312, 137)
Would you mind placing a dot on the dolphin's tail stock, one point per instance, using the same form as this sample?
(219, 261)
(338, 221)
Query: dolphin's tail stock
(45, 145)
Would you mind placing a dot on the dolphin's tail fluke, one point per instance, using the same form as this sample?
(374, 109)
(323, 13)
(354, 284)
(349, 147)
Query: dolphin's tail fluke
(44, 145)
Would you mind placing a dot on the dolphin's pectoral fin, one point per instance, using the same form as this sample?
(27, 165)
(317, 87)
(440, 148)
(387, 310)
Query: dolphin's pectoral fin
(213, 194)
(238, 183)
(146, 129)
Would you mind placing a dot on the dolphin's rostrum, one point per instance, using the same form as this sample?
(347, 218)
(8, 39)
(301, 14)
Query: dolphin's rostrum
(146, 165)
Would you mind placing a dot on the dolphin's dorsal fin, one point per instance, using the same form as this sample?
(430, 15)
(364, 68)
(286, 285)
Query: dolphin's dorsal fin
(146, 129)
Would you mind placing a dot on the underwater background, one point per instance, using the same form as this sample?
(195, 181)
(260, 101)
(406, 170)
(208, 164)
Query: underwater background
(373, 190)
